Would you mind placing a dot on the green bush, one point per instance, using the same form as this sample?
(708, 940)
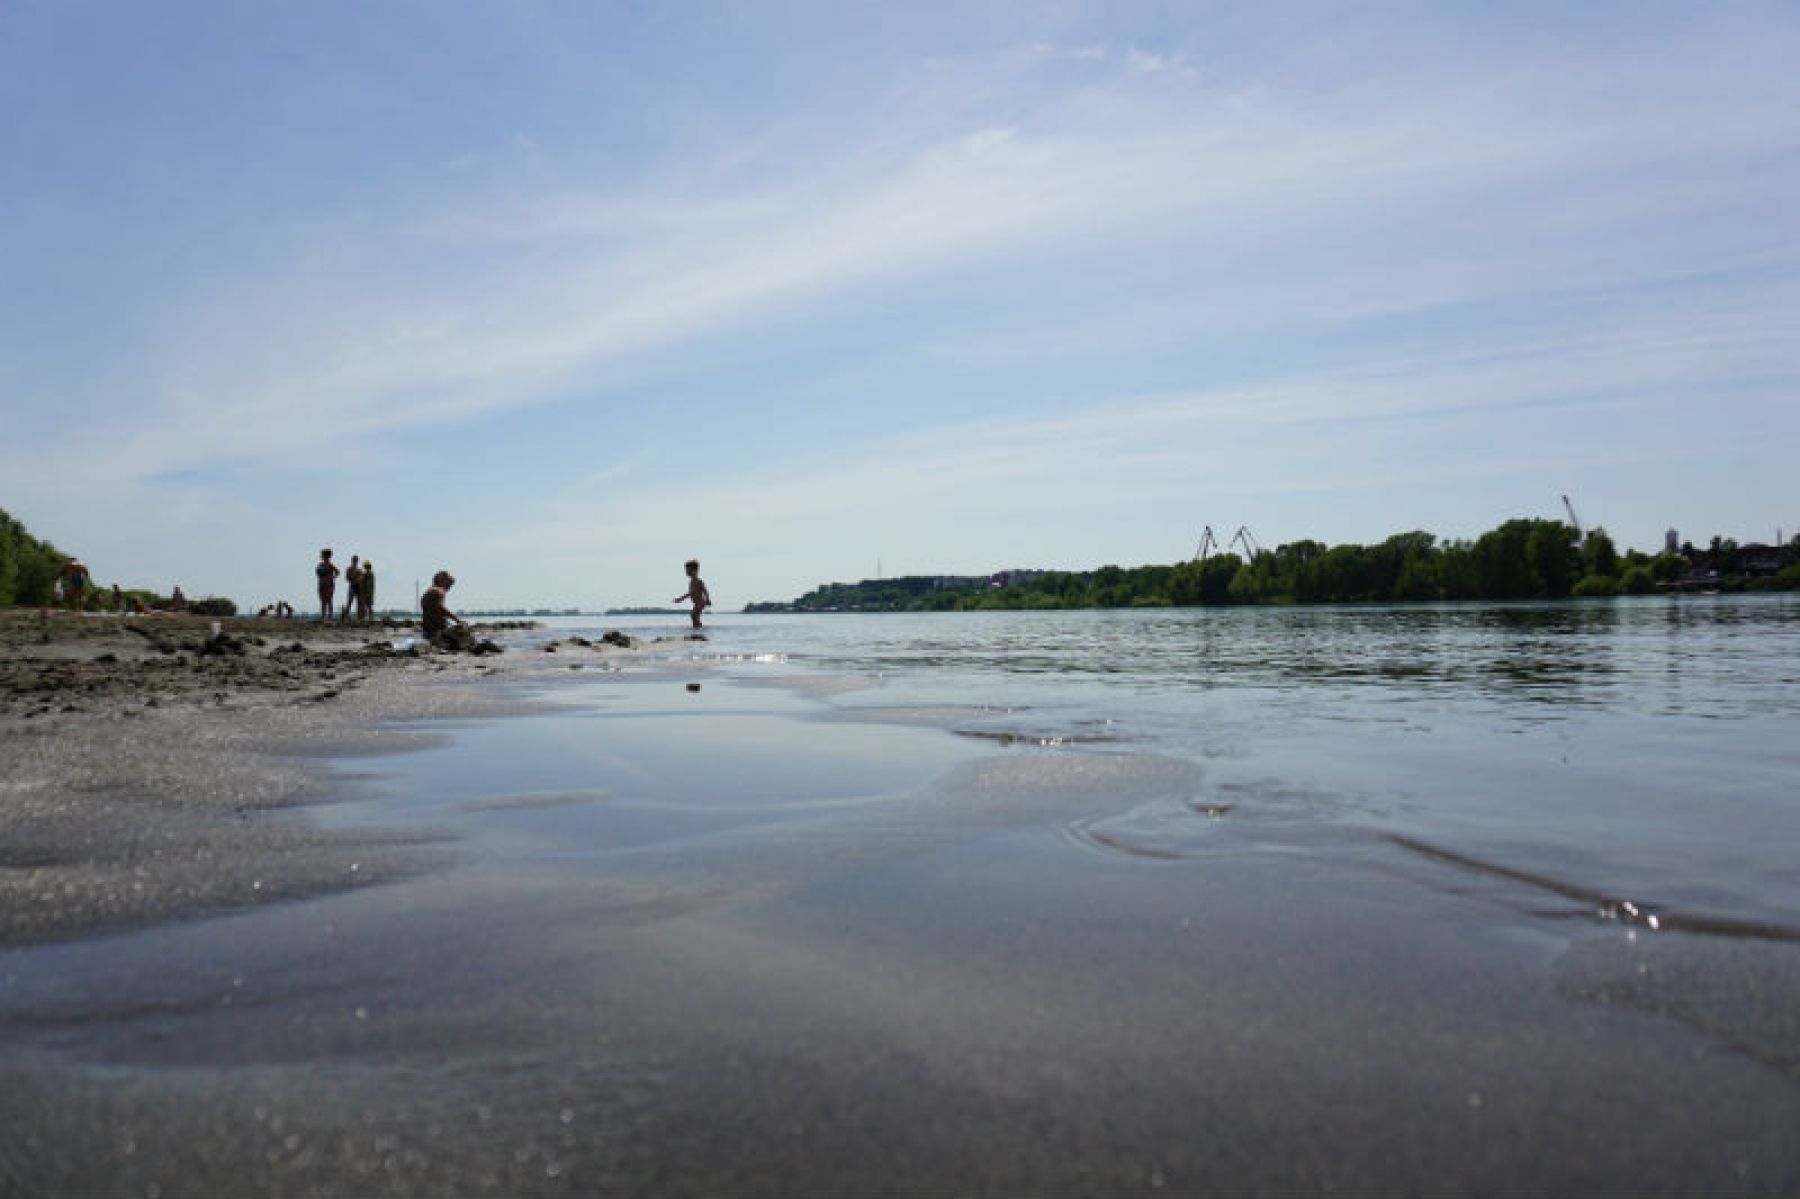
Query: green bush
(1638, 581)
(1596, 586)
(213, 606)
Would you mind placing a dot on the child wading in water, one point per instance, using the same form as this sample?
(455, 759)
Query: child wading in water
(696, 590)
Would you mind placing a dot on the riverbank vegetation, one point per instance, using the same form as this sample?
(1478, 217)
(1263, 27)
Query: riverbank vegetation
(1521, 559)
(30, 570)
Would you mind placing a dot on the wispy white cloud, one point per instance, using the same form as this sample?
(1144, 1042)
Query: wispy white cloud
(1215, 446)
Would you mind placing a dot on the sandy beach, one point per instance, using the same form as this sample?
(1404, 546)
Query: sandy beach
(150, 761)
(344, 919)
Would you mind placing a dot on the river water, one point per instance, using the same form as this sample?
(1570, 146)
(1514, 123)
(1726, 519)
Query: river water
(1636, 753)
(1376, 900)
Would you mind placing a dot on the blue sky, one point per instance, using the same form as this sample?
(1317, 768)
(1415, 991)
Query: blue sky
(558, 295)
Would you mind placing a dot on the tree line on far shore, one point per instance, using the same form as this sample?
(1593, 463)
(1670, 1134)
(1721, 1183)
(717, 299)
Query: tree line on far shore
(1521, 559)
(29, 569)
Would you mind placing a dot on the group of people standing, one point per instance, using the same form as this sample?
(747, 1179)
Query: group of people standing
(359, 580)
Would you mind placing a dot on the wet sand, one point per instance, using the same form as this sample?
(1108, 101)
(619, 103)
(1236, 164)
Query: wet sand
(640, 938)
(153, 770)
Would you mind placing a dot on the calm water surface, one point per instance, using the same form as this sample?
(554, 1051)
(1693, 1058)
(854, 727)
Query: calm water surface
(1638, 753)
(1273, 901)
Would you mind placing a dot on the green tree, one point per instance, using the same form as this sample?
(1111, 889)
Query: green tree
(1418, 579)
(1599, 556)
(28, 567)
(1554, 558)
(1667, 567)
(1504, 567)
(1725, 556)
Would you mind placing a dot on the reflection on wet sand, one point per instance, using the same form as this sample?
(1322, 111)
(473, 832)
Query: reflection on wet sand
(721, 942)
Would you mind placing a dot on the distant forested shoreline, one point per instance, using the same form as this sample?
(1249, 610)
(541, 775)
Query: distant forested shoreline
(1521, 559)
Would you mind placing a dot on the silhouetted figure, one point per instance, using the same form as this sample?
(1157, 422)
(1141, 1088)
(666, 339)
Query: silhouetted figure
(434, 607)
(327, 573)
(696, 591)
(352, 585)
(74, 583)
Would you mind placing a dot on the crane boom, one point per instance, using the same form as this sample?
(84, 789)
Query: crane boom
(1251, 549)
(1570, 509)
(1208, 543)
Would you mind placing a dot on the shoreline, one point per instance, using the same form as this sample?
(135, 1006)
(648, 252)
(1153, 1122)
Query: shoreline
(155, 774)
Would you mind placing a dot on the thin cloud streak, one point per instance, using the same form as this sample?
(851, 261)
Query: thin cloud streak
(958, 202)
(1164, 450)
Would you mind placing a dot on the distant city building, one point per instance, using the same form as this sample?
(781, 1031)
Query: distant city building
(1760, 560)
(1671, 542)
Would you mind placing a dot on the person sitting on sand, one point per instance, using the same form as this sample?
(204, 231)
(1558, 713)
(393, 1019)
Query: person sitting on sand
(74, 583)
(177, 601)
(352, 581)
(327, 573)
(365, 592)
(434, 609)
(696, 591)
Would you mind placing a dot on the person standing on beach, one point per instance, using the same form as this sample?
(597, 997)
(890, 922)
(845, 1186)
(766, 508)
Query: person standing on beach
(696, 591)
(434, 607)
(74, 583)
(352, 585)
(327, 573)
(365, 592)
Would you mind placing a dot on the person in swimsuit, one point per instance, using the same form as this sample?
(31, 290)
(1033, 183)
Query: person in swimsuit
(434, 608)
(696, 591)
(352, 585)
(327, 573)
(365, 592)
(74, 583)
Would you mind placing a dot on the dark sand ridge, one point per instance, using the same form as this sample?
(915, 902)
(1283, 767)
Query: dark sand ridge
(951, 985)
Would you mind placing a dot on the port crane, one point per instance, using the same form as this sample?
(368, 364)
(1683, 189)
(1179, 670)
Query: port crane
(1210, 544)
(1242, 536)
(1580, 533)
